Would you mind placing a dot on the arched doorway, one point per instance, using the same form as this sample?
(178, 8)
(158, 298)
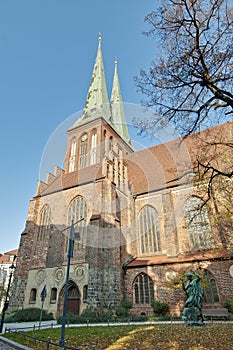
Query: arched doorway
(73, 299)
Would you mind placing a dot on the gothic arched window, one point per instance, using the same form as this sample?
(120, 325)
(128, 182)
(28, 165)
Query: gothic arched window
(83, 152)
(44, 223)
(210, 290)
(197, 219)
(143, 289)
(149, 234)
(93, 148)
(77, 211)
(72, 156)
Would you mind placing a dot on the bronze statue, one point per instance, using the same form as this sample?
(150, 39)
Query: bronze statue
(192, 312)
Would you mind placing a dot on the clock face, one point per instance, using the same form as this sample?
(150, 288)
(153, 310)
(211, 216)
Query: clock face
(84, 137)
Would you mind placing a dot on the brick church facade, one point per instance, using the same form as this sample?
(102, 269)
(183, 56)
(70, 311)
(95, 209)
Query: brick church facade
(136, 217)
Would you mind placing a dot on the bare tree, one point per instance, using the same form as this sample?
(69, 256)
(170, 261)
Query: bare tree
(190, 82)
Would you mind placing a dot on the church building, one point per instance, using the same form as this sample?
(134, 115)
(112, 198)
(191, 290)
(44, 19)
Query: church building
(136, 217)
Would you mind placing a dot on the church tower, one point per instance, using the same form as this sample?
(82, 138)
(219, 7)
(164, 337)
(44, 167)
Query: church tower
(92, 191)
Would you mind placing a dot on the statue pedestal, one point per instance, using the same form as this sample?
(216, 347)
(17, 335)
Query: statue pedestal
(191, 316)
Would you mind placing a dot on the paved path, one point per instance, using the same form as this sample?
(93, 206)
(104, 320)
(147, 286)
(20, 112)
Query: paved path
(6, 344)
(5, 347)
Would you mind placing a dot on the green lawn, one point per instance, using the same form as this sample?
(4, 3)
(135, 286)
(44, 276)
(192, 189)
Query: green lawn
(146, 337)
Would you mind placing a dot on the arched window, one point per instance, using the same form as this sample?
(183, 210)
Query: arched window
(32, 299)
(44, 223)
(198, 223)
(93, 148)
(118, 208)
(83, 152)
(77, 211)
(110, 143)
(149, 235)
(85, 289)
(210, 290)
(143, 289)
(53, 296)
(72, 156)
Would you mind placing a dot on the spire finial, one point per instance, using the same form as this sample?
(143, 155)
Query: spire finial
(100, 38)
(115, 62)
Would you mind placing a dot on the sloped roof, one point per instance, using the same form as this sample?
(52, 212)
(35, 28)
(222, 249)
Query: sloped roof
(161, 166)
(182, 258)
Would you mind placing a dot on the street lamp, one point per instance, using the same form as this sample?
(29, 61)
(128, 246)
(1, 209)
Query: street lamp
(42, 296)
(69, 256)
(6, 302)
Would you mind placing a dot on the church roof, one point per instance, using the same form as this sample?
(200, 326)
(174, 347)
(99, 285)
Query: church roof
(153, 169)
(182, 258)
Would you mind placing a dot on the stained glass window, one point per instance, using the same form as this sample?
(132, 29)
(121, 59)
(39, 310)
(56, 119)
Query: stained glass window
(149, 233)
(44, 223)
(143, 289)
(210, 290)
(198, 224)
(77, 211)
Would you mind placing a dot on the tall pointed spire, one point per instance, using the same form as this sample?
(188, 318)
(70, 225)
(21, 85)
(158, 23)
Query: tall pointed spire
(117, 108)
(97, 94)
(97, 102)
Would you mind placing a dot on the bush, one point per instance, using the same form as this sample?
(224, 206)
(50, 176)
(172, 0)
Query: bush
(30, 314)
(92, 316)
(10, 314)
(159, 307)
(229, 305)
(123, 309)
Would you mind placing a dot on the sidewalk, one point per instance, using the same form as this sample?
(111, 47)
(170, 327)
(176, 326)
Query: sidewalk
(6, 344)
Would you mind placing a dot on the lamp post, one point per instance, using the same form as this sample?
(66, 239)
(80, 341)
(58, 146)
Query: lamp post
(69, 256)
(6, 302)
(42, 296)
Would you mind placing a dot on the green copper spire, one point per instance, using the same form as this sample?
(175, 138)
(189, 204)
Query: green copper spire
(97, 103)
(117, 108)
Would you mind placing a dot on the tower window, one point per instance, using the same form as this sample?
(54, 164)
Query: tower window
(93, 148)
(110, 143)
(83, 152)
(72, 156)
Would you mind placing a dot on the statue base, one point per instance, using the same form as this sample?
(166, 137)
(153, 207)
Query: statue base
(192, 316)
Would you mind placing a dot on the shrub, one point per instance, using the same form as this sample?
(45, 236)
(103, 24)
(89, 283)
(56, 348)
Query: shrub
(126, 304)
(92, 316)
(30, 314)
(159, 307)
(10, 314)
(229, 305)
(123, 308)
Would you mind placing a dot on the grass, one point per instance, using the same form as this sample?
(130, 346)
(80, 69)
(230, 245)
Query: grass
(145, 337)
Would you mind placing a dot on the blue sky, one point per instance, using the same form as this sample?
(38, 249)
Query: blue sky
(47, 50)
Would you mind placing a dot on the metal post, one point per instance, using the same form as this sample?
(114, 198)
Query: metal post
(69, 255)
(43, 296)
(6, 303)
